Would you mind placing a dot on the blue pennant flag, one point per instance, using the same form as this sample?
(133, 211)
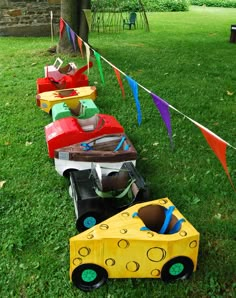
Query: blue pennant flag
(134, 87)
(68, 32)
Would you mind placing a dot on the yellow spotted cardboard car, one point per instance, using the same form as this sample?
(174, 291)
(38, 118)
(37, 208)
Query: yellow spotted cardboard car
(46, 100)
(147, 240)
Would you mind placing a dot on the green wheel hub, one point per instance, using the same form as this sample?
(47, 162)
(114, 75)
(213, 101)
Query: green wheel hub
(176, 269)
(89, 275)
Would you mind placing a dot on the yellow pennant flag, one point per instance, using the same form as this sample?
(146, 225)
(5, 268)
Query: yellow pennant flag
(87, 48)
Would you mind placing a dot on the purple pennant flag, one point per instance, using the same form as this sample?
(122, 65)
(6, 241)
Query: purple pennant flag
(134, 87)
(72, 34)
(163, 108)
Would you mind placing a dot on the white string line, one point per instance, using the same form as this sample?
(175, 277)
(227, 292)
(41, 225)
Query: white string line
(148, 91)
(200, 125)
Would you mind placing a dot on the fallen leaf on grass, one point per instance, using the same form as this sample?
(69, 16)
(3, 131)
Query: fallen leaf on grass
(230, 93)
(217, 216)
(28, 143)
(2, 183)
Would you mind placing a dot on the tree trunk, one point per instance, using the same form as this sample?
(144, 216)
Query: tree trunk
(84, 5)
(72, 12)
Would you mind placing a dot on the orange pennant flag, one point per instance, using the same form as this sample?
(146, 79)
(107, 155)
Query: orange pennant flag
(119, 81)
(219, 147)
(80, 44)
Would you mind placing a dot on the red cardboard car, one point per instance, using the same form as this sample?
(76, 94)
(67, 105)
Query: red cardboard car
(78, 79)
(68, 131)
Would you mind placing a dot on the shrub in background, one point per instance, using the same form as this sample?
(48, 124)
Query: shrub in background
(216, 3)
(150, 5)
(166, 5)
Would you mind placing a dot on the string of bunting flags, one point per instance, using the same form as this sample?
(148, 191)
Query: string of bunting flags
(217, 144)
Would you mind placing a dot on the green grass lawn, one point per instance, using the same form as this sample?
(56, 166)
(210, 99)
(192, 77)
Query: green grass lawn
(187, 60)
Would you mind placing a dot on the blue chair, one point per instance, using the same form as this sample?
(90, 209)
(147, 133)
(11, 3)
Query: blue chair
(131, 21)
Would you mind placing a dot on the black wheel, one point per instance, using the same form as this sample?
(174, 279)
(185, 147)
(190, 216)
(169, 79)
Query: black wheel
(90, 212)
(88, 277)
(88, 220)
(177, 268)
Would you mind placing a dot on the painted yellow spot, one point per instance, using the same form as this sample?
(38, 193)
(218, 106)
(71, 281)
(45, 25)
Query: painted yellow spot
(156, 254)
(132, 266)
(123, 243)
(84, 251)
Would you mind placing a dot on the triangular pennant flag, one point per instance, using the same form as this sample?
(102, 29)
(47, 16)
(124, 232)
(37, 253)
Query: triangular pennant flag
(80, 44)
(134, 87)
(68, 32)
(98, 59)
(218, 146)
(119, 81)
(87, 48)
(72, 34)
(163, 108)
(88, 16)
(62, 27)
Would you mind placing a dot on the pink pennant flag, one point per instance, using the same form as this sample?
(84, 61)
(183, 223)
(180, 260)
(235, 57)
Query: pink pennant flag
(119, 81)
(62, 27)
(80, 44)
(219, 147)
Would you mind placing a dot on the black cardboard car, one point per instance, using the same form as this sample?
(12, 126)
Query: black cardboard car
(97, 197)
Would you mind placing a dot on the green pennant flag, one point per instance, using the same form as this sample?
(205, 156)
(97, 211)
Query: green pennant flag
(98, 59)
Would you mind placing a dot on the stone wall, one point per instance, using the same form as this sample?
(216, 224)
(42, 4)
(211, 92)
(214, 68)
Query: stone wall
(28, 18)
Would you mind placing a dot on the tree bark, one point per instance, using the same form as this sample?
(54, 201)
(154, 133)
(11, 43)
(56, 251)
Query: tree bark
(83, 24)
(72, 11)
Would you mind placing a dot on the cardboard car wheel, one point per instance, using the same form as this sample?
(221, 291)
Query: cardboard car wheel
(89, 219)
(88, 277)
(177, 268)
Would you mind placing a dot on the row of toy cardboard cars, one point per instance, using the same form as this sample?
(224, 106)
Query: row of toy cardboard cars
(122, 233)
